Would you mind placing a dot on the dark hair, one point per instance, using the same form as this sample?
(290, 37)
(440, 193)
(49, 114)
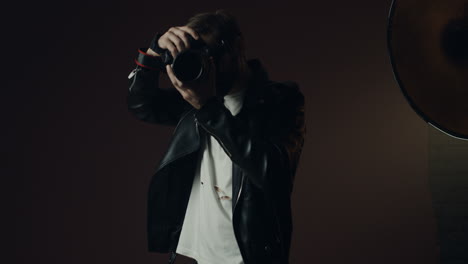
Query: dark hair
(220, 25)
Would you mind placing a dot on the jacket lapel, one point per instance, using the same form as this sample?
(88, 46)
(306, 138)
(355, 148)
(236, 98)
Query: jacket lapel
(185, 140)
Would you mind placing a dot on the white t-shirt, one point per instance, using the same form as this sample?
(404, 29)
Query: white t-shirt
(207, 233)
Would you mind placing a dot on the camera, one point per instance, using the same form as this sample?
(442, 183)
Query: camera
(191, 64)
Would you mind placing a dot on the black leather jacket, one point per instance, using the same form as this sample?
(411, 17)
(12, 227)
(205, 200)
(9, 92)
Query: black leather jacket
(264, 142)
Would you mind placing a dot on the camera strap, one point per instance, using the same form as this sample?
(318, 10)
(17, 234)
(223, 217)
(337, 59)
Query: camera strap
(148, 61)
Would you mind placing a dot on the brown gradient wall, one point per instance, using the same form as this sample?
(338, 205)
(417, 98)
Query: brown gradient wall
(77, 164)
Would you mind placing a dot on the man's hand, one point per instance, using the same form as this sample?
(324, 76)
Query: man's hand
(176, 39)
(199, 91)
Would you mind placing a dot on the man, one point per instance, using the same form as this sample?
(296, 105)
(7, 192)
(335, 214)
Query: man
(221, 193)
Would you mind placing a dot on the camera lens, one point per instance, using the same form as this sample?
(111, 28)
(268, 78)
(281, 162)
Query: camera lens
(189, 65)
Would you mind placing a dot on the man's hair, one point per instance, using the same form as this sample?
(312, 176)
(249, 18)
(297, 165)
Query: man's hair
(219, 25)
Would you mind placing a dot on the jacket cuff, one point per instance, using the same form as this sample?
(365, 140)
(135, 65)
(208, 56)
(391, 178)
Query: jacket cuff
(148, 61)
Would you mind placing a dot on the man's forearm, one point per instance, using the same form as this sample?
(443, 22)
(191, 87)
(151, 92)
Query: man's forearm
(147, 102)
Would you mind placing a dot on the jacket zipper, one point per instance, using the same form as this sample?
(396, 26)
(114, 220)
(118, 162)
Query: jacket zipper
(240, 190)
(217, 138)
(133, 72)
(131, 75)
(235, 205)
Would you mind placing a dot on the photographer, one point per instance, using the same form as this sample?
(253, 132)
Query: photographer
(221, 194)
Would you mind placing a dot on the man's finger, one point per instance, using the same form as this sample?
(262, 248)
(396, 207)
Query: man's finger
(182, 36)
(172, 48)
(175, 39)
(176, 82)
(190, 31)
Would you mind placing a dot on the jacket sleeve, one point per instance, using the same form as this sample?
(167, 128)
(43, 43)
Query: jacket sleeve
(149, 103)
(270, 159)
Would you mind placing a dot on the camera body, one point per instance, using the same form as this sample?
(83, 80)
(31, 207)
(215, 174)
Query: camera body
(191, 64)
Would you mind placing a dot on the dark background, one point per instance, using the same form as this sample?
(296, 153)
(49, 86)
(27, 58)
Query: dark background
(77, 165)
